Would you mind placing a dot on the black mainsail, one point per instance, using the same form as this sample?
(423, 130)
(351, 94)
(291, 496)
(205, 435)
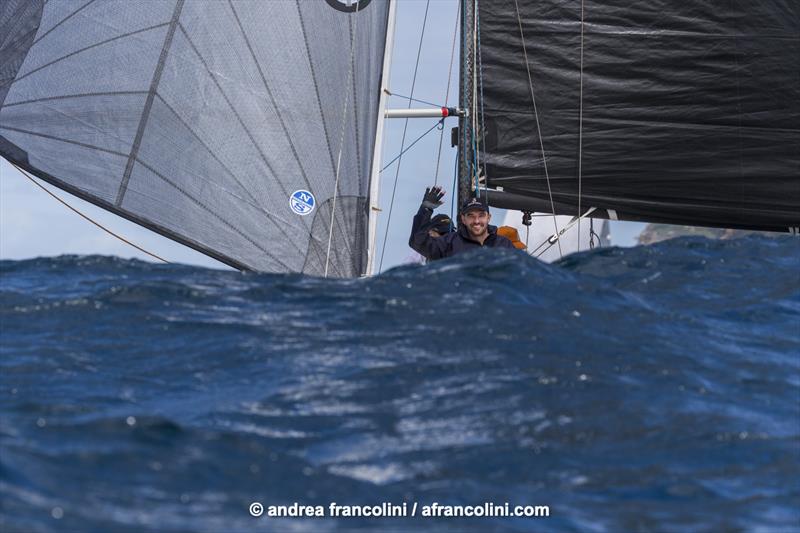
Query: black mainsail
(243, 129)
(675, 112)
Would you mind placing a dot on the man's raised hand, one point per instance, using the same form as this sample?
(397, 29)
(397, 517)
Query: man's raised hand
(433, 197)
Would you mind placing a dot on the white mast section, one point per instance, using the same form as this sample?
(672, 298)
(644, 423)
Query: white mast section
(374, 182)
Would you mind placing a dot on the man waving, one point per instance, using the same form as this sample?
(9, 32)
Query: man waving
(473, 232)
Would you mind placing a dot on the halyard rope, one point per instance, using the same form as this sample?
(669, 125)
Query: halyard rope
(538, 127)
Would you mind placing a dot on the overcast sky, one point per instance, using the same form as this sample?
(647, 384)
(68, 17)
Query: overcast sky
(34, 224)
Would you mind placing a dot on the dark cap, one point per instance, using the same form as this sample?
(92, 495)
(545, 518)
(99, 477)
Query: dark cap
(474, 203)
(440, 224)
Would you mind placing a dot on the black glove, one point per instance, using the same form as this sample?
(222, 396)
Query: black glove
(433, 197)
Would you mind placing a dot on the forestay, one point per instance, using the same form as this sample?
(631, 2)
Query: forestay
(221, 125)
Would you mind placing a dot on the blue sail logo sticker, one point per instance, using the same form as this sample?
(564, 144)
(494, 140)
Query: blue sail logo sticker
(302, 202)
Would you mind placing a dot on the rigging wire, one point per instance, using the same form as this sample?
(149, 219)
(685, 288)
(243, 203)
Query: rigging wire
(403, 140)
(556, 237)
(121, 238)
(341, 137)
(447, 93)
(410, 146)
(580, 139)
(390, 93)
(538, 126)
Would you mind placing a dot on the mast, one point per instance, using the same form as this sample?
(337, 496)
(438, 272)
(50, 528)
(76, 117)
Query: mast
(374, 181)
(466, 82)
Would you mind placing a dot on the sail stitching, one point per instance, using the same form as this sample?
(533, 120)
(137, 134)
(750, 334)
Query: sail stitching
(276, 219)
(403, 139)
(353, 36)
(148, 104)
(152, 226)
(355, 107)
(233, 109)
(271, 97)
(69, 96)
(210, 152)
(536, 115)
(15, 16)
(53, 137)
(124, 155)
(62, 21)
(215, 215)
(95, 45)
(319, 99)
(15, 43)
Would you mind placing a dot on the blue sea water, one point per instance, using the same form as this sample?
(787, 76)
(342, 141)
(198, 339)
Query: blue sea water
(655, 388)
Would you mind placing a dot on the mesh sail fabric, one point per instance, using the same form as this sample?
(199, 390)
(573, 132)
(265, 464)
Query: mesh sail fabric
(200, 119)
(691, 110)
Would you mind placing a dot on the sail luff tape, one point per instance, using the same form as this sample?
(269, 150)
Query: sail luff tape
(441, 112)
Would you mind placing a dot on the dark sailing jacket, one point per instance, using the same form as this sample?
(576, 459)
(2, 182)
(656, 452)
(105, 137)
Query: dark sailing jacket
(453, 243)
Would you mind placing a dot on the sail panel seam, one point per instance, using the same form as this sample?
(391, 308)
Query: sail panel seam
(15, 44)
(215, 215)
(316, 87)
(271, 96)
(210, 152)
(148, 104)
(124, 155)
(95, 45)
(62, 21)
(350, 76)
(233, 109)
(274, 218)
(68, 96)
(152, 226)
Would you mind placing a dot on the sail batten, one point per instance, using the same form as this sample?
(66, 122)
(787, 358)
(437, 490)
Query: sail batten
(204, 121)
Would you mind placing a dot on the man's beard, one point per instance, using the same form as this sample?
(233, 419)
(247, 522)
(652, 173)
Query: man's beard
(481, 229)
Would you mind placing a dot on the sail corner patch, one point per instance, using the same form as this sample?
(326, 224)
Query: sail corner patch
(302, 202)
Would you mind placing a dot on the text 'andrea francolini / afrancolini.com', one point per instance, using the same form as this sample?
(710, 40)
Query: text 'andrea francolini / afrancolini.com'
(405, 509)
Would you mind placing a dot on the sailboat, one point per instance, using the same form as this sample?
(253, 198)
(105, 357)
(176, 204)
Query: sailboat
(252, 131)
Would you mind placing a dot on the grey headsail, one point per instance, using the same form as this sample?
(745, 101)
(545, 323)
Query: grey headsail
(676, 112)
(243, 129)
